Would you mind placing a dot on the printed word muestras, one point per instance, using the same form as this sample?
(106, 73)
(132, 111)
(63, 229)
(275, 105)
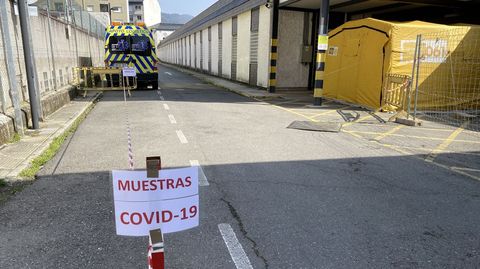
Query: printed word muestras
(154, 184)
(169, 202)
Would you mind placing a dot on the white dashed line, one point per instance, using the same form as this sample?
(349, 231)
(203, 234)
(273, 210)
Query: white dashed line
(159, 92)
(202, 179)
(166, 107)
(181, 137)
(161, 98)
(237, 253)
(172, 119)
(180, 89)
(168, 73)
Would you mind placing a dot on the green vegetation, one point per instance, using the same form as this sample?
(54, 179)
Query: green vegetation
(2, 183)
(16, 137)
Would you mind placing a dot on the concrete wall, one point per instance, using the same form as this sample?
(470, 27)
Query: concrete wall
(243, 52)
(191, 58)
(227, 48)
(214, 44)
(205, 49)
(53, 73)
(291, 73)
(63, 49)
(264, 47)
(185, 51)
(198, 49)
(243, 48)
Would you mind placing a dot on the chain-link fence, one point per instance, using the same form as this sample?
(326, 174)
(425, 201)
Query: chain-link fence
(64, 36)
(446, 84)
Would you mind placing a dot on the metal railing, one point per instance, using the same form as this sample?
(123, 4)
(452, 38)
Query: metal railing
(396, 92)
(447, 77)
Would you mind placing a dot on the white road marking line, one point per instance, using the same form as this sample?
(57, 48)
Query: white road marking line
(237, 253)
(159, 92)
(181, 137)
(202, 179)
(465, 169)
(166, 107)
(172, 119)
(180, 89)
(161, 98)
(168, 73)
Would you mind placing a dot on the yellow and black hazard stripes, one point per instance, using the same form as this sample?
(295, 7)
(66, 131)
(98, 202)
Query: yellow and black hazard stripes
(143, 64)
(273, 65)
(320, 68)
(272, 85)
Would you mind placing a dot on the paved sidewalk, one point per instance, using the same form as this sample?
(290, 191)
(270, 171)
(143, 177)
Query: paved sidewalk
(15, 157)
(239, 88)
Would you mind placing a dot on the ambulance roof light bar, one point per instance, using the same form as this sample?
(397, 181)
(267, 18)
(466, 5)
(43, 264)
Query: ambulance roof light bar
(118, 23)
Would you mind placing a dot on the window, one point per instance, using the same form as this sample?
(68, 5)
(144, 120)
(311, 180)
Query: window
(104, 8)
(67, 33)
(139, 17)
(139, 45)
(67, 75)
(53, 79)
(90, 8)
(119, 44)
(234, 26)
(137, 7)
(59, 7)
(117, 9)
(255, 19)
(60, 75)
(45, 81)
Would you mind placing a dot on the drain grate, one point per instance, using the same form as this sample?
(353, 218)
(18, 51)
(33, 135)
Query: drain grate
(333, 127)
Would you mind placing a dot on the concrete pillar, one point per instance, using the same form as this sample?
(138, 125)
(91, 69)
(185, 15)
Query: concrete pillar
(273, 48)
(322, 47)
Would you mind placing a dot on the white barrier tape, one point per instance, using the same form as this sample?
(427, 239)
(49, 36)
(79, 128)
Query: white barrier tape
(129, 143)
(129, 135)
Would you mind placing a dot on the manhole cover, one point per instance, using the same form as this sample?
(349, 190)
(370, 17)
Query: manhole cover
(316, 126)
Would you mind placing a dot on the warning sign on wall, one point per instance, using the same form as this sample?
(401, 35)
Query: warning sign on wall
(169, 202)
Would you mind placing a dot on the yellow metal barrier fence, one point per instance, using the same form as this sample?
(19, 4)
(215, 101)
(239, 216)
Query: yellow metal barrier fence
(102, 79)
(396, 92)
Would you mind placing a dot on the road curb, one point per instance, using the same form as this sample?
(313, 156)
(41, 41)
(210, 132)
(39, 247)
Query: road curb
(262, 95)
(14, 176)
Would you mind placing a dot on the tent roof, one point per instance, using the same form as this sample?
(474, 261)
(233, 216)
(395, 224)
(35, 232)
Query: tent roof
(384, 26)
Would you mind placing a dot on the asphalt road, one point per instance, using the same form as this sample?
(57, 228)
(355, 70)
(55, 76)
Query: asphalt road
(294, 199)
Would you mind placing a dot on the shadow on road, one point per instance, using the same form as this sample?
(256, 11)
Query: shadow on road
(381, 211)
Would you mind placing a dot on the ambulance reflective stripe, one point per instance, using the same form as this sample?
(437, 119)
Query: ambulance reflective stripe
(108, 56)
(139, 70)
(146, 61)
(140, 64)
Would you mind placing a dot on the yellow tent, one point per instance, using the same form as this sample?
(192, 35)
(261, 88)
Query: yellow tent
(362, 52)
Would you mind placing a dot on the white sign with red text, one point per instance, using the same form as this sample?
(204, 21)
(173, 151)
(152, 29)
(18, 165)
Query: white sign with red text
(169, 202)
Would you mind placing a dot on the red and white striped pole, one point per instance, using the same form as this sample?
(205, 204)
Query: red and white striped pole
(129, 133)
(156, 256)
(129, 142)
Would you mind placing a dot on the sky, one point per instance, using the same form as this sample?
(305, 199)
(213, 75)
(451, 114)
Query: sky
(190, 7)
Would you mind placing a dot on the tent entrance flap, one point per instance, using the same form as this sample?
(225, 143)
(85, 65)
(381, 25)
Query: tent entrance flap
(354, 66)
